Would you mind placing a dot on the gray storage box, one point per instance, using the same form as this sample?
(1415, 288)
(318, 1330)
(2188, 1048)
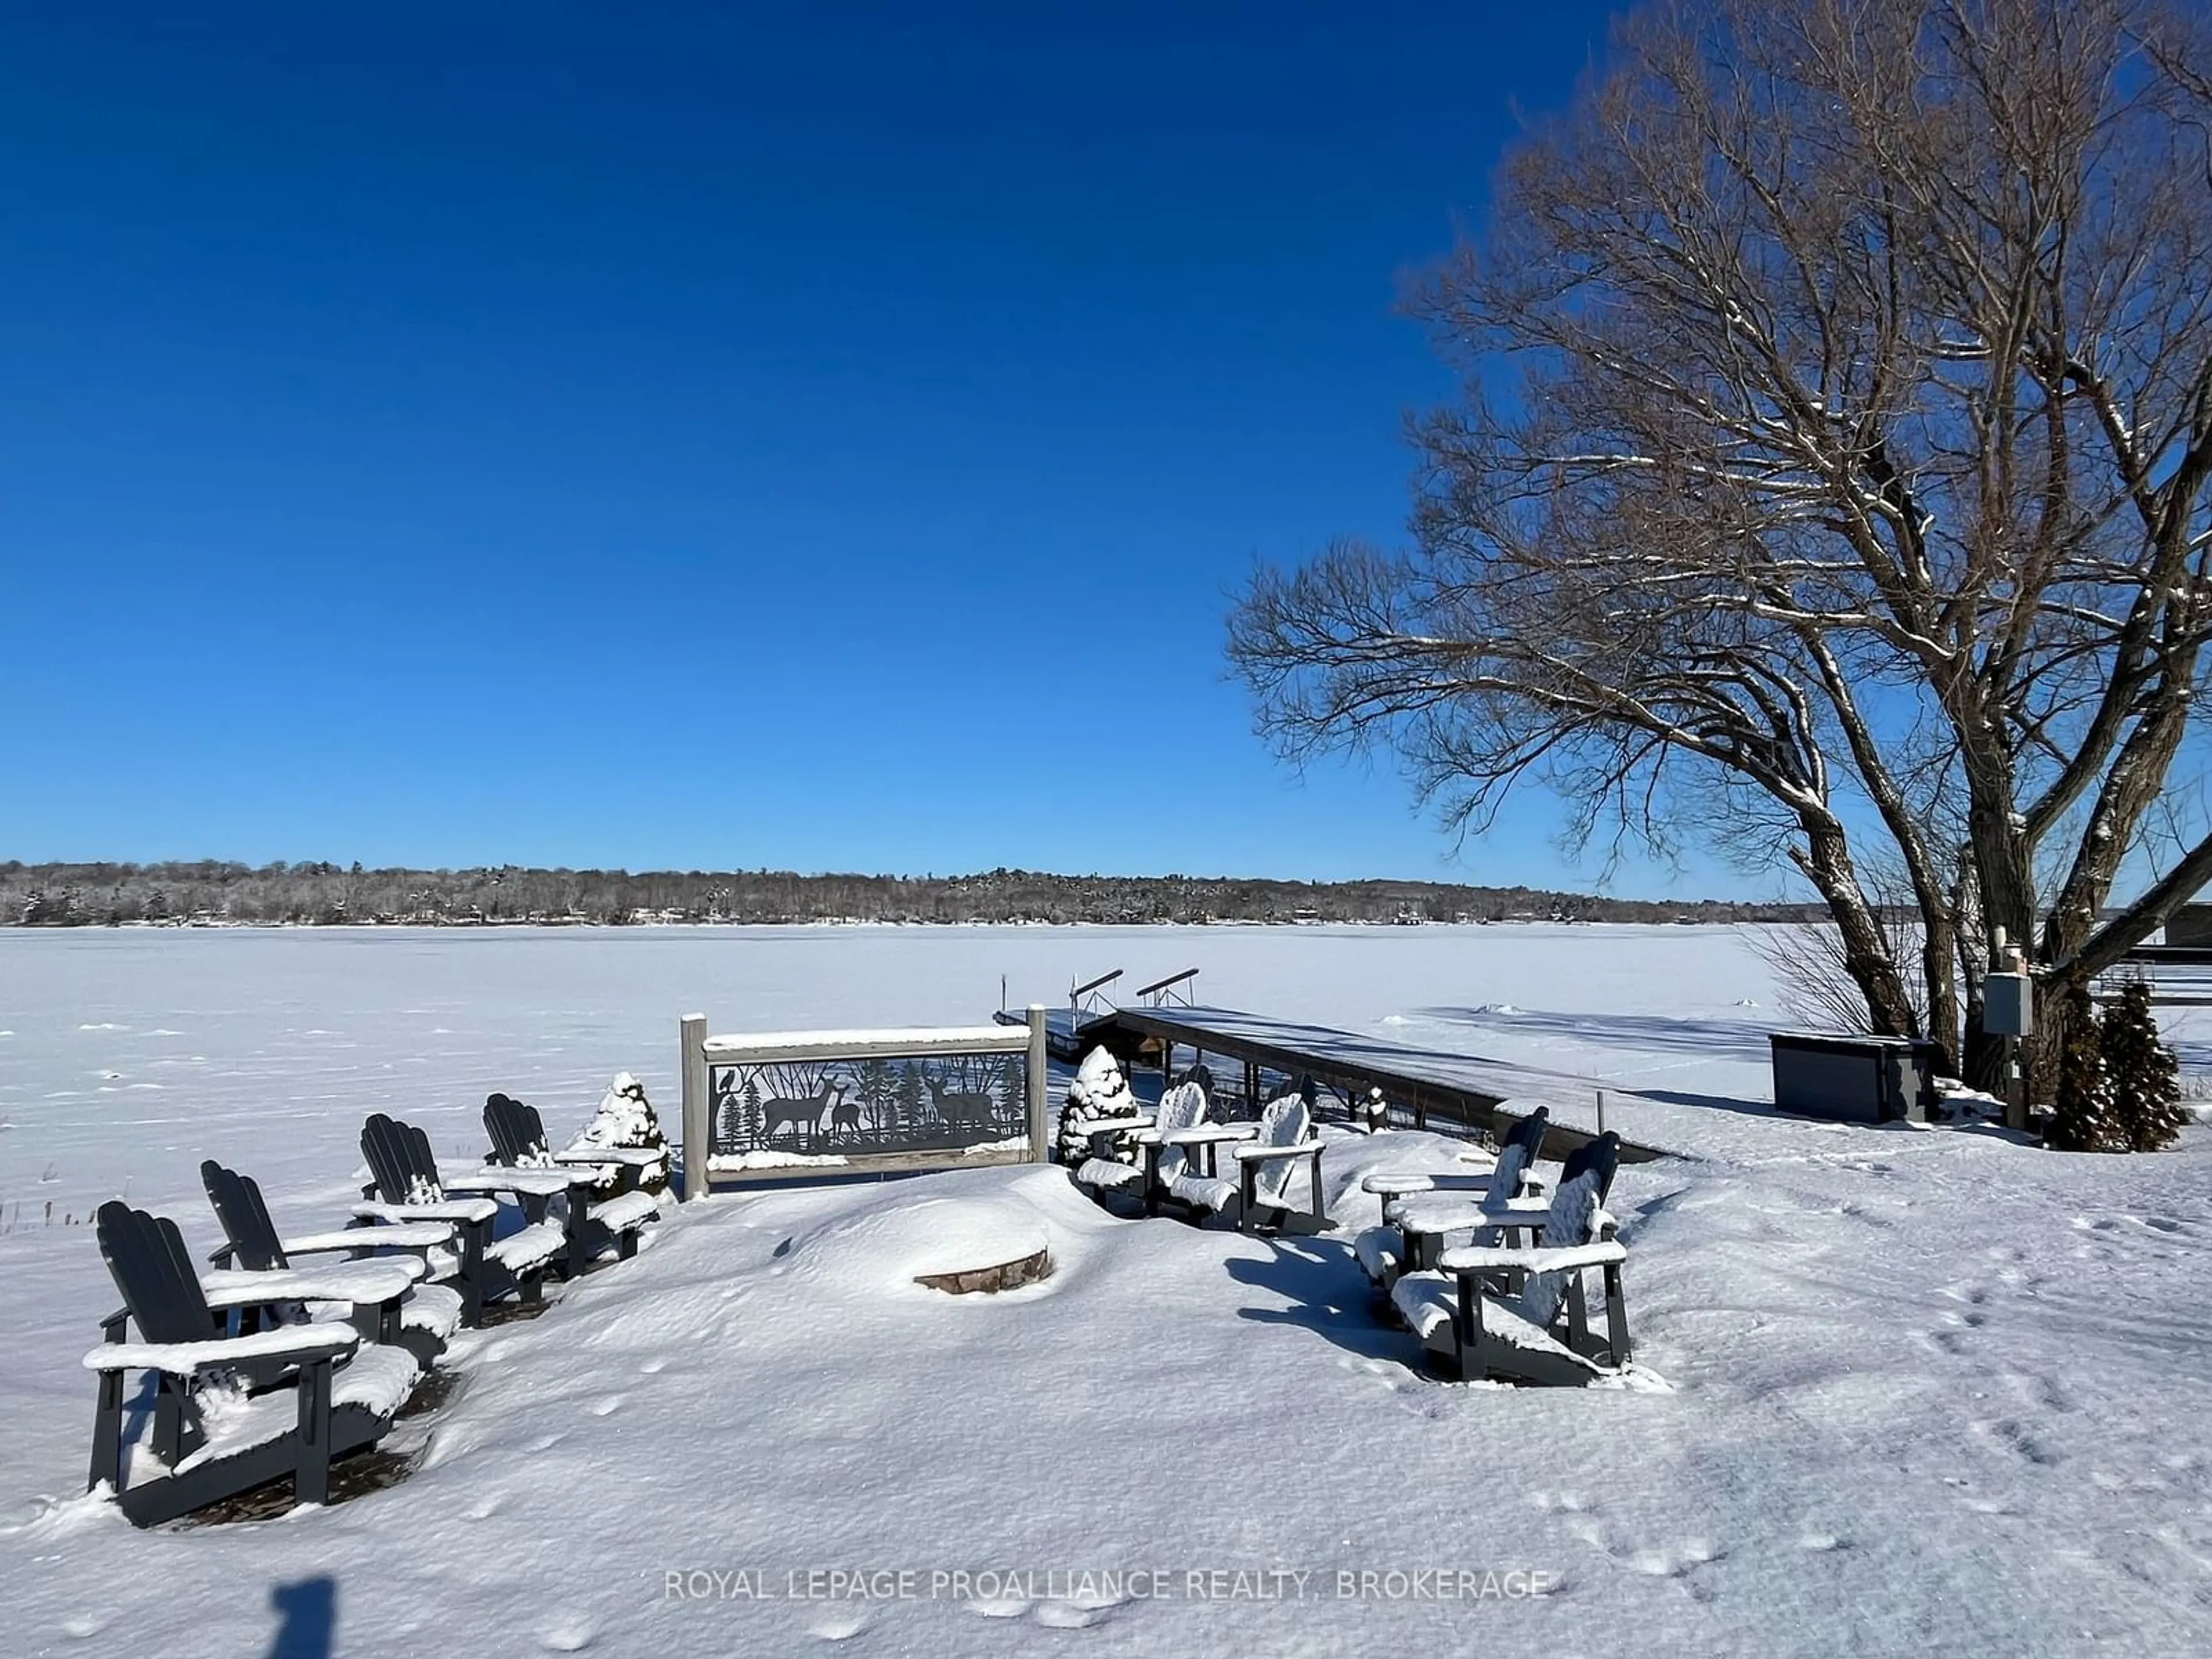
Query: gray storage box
(1855, 1079)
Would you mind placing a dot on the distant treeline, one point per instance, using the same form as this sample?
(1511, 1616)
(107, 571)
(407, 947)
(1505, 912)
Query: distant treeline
(109, 895)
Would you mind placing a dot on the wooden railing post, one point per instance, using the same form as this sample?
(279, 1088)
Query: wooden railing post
(698, 1131)
(1040, 1131)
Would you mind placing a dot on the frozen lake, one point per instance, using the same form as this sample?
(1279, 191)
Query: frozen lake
(129, 1054)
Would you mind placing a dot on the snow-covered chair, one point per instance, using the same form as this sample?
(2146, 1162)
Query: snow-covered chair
(1419, 1207)
(1522, 1313)
(211, 1438)
(1165, 1145)
(614, 1209)
(1110, 1178)
(1152, 1158)
(1125, 1151)
(422, 1316)
(406, 1187)
(1267, 1155)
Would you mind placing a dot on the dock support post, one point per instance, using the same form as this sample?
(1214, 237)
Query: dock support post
(1040, 1135)
(698, 1131)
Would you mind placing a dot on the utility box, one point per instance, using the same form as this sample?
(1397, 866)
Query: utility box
(1855, 1080)
(2007, 1005)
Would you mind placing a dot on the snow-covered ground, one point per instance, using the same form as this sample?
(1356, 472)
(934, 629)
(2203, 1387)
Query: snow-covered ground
(1933, 1392)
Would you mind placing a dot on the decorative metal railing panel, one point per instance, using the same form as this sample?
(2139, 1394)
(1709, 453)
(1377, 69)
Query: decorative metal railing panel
(774, 1112)
(774, 1106)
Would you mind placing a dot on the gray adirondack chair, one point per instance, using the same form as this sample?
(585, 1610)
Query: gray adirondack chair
(337, 1395)
(1420, 1207)
(1267, 1157)
(612, 1209)
(406, 1187)
(1521, 1313)
(424, 1319)
(1124, 1154)
(1182, 1109)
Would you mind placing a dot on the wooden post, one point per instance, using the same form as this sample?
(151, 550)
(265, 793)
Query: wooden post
(1600, 1113)
(1040, 1131)
(2003, 953)
(2015, 1086)
(698, 1131)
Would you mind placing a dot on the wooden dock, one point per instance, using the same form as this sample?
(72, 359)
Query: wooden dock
(1454, 1092)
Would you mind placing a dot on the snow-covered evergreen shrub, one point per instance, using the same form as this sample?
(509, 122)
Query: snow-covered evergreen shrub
(2140, 1075)
(1100, 1090)
(2083, 1120)
(626, 1118)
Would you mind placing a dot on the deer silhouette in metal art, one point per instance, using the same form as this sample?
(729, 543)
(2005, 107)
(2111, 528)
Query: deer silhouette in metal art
(801, 1112)
(959, 1110)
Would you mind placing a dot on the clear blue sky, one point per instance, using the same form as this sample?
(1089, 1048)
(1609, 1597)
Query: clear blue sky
(716, 435)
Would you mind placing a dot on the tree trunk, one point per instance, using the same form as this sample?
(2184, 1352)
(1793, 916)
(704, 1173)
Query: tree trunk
(1981, 1056)
(1825, 859)
(1939, 966)
(2042, 1054)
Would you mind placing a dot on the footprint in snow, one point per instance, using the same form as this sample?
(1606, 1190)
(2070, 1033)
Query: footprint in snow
(841, 1626)
(2044, 1393)
(1686, 1557)
(2010, 1435)
(84, 1625)
(1069, 1615)
(1568, 1503)
(999, 1606)
(545, 1442)
(1392, 1376)
(1590, 1533)
(1818, 1543)
(653, 1367)
(567, 1632)
(606, 1407)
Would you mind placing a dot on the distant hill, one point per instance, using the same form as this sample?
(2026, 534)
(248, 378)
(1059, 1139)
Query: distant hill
(96, 895)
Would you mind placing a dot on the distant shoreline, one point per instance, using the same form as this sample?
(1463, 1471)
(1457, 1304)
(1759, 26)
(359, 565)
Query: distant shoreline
(585, 924)
(215, 893)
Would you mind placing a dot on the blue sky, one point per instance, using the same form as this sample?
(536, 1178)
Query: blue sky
(716, 436)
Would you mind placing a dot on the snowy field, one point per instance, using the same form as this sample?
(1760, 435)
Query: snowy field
(1933, 1392)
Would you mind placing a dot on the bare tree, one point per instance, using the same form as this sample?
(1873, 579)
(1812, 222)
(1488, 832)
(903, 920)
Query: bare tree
(1857, 465)
(1813, 972)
